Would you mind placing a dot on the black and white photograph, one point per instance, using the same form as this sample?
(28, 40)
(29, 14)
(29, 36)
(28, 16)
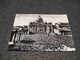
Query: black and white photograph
(41, 32)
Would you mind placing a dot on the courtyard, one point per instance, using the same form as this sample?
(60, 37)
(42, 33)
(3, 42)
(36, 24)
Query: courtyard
(43, 42)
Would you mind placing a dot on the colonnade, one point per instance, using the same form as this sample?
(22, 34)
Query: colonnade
(46, 29)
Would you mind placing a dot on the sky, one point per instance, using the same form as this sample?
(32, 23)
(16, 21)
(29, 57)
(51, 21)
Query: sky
(24, 19)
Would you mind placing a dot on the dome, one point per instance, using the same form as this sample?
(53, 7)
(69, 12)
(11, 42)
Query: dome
(40, 20)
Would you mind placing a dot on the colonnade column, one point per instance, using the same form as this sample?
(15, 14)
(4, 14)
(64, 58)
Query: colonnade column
(47, 29)
(51, 29)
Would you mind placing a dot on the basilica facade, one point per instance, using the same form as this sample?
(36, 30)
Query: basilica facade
(39, 26)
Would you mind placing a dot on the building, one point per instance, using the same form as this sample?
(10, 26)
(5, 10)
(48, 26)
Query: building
(62, 29)
(39, 26)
